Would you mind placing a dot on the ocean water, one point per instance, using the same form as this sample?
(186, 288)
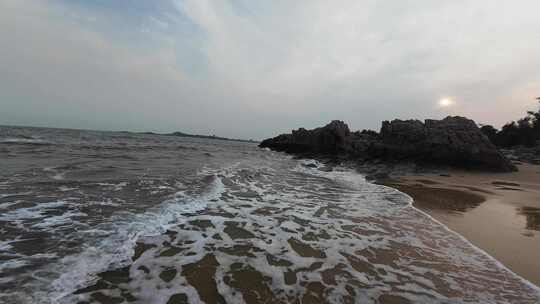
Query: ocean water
(116, 217)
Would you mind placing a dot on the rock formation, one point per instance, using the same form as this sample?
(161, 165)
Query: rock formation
(330, 139)
(454, 141)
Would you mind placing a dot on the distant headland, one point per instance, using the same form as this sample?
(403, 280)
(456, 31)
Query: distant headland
(182, 134)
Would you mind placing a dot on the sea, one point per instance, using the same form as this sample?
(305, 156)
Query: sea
(119, 217)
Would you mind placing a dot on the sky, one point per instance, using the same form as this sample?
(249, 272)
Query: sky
(252, 69)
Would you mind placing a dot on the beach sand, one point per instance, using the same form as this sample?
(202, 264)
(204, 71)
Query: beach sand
(497, 212)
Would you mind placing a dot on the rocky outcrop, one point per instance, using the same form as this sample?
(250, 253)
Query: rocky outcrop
(330, 139)
(454, 141)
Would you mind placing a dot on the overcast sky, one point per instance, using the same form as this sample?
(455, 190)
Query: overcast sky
(251, 69)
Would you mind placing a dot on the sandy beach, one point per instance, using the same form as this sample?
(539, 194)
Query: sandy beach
(497, 212)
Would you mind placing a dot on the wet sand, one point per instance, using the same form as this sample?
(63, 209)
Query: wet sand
(497, 212)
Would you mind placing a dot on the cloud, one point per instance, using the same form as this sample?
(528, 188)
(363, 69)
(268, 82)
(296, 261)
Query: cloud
(246, 69)
(364, 61)
(56, 73)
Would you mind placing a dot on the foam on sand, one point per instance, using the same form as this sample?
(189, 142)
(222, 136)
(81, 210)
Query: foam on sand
(284, 235)
(120, 236)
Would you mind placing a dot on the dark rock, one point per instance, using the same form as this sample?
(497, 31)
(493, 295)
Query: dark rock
(454, 141)
(332, 139)
(363, 144)
(401, 139)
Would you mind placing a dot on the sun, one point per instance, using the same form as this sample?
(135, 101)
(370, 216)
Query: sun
(446, 102)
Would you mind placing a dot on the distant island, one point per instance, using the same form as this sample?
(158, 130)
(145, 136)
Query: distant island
(182, 134)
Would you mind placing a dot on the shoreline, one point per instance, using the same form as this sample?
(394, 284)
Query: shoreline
(499, 213)
(495, 260)
(156, 258)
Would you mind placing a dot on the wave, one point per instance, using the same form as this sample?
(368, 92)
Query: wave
(282, 219)
(281, 231)
(25, 141)
(119, 237)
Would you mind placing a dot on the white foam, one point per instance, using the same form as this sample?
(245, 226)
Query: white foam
(66, 189)
(59, 220)
(116, 249)
(465, 240)
(57, 175)
(383, 216)
(355, 180)
(22, 140)
(120, 186)
(114, 187)
(8, 204)
(279, 246)
(13, 264)
(34, 212)
(290, 225)
(108, 202)
(5, 245)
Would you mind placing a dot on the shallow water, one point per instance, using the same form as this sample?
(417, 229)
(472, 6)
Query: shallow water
(118, 217)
